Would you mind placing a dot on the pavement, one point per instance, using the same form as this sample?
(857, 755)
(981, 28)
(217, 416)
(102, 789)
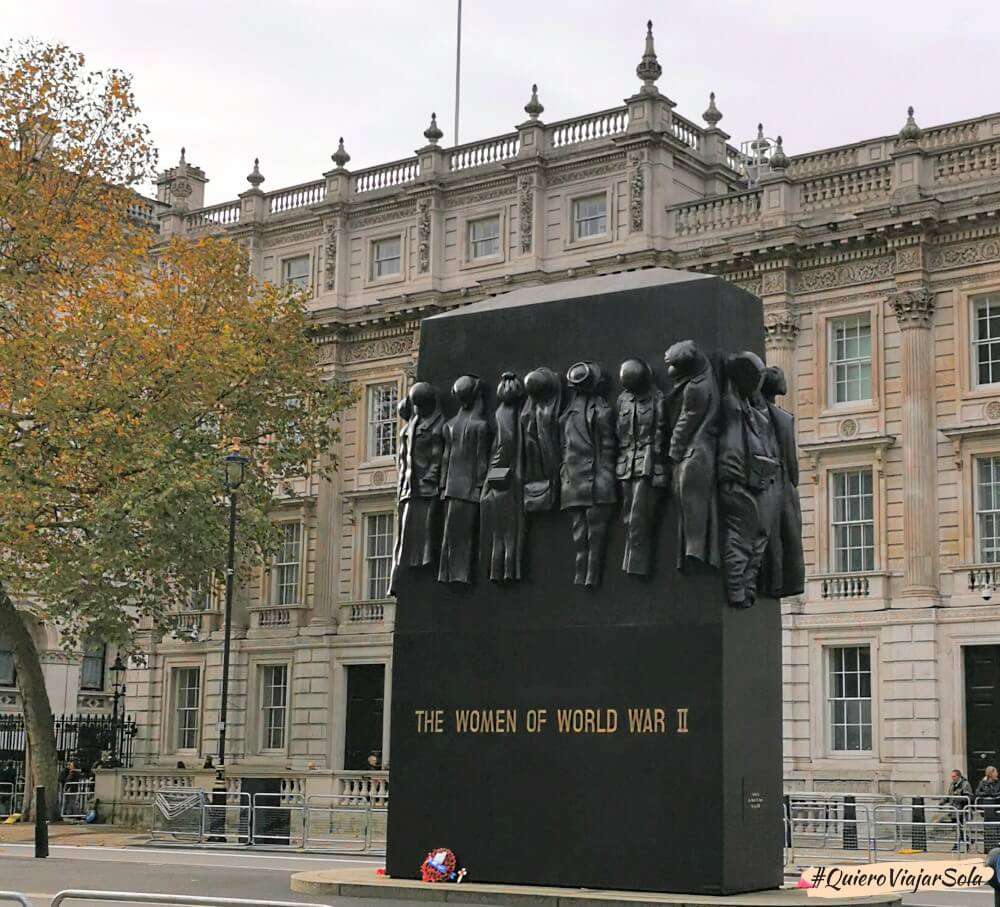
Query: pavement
(74, 834)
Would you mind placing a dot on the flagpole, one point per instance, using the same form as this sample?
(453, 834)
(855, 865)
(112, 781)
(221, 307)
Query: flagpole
(458, 68)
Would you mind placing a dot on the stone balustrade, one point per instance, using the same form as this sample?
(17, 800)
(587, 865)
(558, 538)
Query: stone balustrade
(217, 216)
(372, 787)
(716, 214)
(686, 131)
(967, 164)
(847, 586)
(300, 196)
(375, 616)
(482, 154)
(588, 128)
(849, 188)
(387, 176)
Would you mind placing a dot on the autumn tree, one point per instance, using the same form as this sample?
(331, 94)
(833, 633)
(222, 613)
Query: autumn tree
(127, 369)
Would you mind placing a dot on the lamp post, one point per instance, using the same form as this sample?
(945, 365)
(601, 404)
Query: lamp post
(235, 472)
(118, 688)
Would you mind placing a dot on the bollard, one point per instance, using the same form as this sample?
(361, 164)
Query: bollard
(918, 830)
(41, 824)
(788, 815)
(850, 824)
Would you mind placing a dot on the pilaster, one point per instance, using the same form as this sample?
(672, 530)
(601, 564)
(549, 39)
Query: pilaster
(914, 311)
(781, 328)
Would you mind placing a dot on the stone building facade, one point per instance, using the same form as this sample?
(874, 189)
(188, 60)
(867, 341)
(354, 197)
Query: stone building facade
(878, 264)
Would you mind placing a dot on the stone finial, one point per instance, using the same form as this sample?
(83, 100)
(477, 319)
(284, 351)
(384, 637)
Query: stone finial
(255, 177)
(760, 145)
(182, 162)
(779, 161)
(911, 132)
(433, 132)
(712, 114)
(649, 69)
(340, 157)
(534, 107)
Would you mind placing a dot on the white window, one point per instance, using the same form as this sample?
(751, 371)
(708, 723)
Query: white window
(287, 560)
(590, 216)
(296, 271)
(274, 706)
(852, 524)
(850, 698)
(385, 257)
(208, 594)
(92, 669)
(187, 707)
(988, 509)
(986, 339)
(379, 537)
(8, 676)
(382, 420)
(484, 237)
(850, 353)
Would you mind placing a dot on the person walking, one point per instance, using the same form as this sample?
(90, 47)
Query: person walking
(988, 798)
(959, 799)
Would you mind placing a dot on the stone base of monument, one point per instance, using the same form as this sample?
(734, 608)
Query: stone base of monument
(361, 887)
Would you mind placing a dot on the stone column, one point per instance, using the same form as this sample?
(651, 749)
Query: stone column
(780, 330)
(914, 310)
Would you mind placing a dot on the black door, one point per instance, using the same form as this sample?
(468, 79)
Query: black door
(982, 709)
(365, 703)
(270, 823)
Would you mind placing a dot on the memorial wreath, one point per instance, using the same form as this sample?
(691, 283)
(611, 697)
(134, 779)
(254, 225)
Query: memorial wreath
(440, 865)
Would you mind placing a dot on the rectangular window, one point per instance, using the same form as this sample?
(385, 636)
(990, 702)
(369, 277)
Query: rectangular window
(986, 339)
(187, 707)
(8, 676)
(379, 537)
(296, 271)
(590, 216)
(850, 353)
(386, 257)
(285, 572)
(92, 669)
(988, 509)
(852, 524)
(382, 420)
(484, 237)
(274, 706)
(850, 699)
(363, 722)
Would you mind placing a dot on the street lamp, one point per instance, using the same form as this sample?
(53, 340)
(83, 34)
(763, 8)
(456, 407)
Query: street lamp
(235, 465)
(118, 688)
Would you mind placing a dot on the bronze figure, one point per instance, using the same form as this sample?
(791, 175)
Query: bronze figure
(501, 510)
(542, 447)
(588, 487)
(694, 410)
(404, 409)
(643, 468)
(463, 470)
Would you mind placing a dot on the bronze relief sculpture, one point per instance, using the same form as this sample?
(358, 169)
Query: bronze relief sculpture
(420, 479)
(694, 412)
(542, 444)
(750, 486)
(588, 486)
(642, 467)
(501, 508)
(464, 464)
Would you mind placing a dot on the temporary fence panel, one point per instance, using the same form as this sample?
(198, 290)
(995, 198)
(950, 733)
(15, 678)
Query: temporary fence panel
(6, 799)
(142, 897)
(336, 823)
(226, 822)
(981, 835)
(14, 897)
(279, 819)
(917, 827)
(830, 825)
(378, 822)
(76, 799)
(177, 814)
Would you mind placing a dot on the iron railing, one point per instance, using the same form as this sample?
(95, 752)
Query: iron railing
(81, 738)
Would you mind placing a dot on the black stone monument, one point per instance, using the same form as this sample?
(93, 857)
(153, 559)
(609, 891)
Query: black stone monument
(623, 736)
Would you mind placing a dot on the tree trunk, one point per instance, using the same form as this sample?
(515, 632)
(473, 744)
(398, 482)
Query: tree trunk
(35, 702)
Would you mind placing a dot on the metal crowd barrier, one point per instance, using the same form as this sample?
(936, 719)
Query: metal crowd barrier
(316, 823)
(76, 799)
(139, 897)
(830, 825)
(14, 898)
(923, 828)
(6, 799)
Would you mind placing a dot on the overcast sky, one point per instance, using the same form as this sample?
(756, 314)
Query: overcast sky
(283, 79)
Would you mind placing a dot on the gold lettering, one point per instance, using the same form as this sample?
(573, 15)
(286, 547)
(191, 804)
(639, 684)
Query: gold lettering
(660, 721)
(682, 721)
(563, 720)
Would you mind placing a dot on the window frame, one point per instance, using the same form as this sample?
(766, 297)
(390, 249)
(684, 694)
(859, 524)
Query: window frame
(832, 523)
(977, 510)
(307, 279)
(830, 724)
(822, 367)
(275, 585)
(574, 223)
(368, 558)
(832, 382)
(104, 669)
(976, 302)
(467, 221)
(371, 245)
(393, 421)
(264, 709)
(571, 240)
(174, 725)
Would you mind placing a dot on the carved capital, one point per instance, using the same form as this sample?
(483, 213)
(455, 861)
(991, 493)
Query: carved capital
(780, 330)
(913, 307)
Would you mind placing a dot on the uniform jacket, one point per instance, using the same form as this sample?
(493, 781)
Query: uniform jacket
(642, 441)
(425, 445)
(588, 440)
(466, 456)
(695, 400)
